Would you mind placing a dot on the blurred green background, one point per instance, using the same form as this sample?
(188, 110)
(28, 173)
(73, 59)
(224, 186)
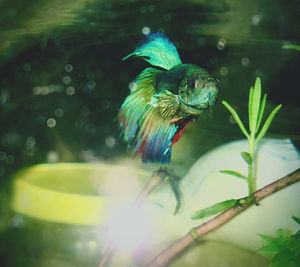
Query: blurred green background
(63, 81)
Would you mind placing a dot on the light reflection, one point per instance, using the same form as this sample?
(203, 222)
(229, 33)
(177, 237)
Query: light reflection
(146, 30)
(66, 79)
(51, 122)
(110, 141)
(68, 67)
(128, 227)
(59, 112)
(256, 19)
(245, 61)
(221, 43)
(70, 90)
(224, 71)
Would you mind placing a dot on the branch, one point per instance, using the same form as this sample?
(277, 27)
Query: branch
(221, 219)
(156, 179)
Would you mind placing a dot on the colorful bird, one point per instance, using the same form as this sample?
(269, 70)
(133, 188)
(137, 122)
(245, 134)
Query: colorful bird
(162, 103)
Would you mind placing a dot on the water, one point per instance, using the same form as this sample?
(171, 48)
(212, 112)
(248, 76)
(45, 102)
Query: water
(63, 80)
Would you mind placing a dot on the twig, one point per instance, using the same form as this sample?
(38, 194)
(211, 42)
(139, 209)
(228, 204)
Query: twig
(156, 179)
(187, 240)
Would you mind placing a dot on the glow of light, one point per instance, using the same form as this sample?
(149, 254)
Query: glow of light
(146, 30)
(128, 227)
(68, 68)
(221, 43)
(66, 79)
(51, 122)
(59, 112)
(110, 141)
(245, 61)
(256, 19)
(70, 90)
(224, 71)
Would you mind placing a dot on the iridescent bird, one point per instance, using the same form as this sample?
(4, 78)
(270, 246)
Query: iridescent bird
(162, 103)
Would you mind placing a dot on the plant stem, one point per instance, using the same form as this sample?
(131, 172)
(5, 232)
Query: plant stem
(251, 188)
(188, 240)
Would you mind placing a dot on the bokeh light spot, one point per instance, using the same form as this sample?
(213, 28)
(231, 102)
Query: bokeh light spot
(51, 122)
(70, 90)
(146, 30)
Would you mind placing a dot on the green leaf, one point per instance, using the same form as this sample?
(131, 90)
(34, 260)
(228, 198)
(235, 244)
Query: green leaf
(216, 208)
(234, 173)
(267, 252)
(291, 46)
(296, 219)
(247, 157)
(250, 107)
(284, 250)
(237, 118)
(261, 111)
(267, 123)
(255, 104)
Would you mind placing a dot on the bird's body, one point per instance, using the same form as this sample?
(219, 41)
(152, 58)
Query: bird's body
(163, 102)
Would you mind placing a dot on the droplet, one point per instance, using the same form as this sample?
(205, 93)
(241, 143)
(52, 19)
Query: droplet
(59, 112)
(224, 71)
(51, 122)
(68, 68)
(66, 79)
(256, 19)
(245, 61)
(221, 43)
(110, 141)
(70, 90)
(146, 30)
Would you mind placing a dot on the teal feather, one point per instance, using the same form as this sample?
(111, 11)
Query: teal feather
(158, 50)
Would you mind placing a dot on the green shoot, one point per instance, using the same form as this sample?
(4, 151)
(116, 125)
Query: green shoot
(256, 108)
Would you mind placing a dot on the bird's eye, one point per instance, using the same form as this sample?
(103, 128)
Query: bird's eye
(193, 83)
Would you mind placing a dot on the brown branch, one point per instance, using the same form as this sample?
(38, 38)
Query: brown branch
(221, 219)
(156, 179)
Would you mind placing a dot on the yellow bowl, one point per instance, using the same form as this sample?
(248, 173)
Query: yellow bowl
(74, 193)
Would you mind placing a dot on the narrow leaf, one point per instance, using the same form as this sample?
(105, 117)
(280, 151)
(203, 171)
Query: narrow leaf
(247, 157)
(267, 252)
(234, 173)
(250, 107)
(237, 118)
(291, 46)
(267, 123)
(255, 103)
(216, 208)
(296, 219)
(269, 241)
(261, 111)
